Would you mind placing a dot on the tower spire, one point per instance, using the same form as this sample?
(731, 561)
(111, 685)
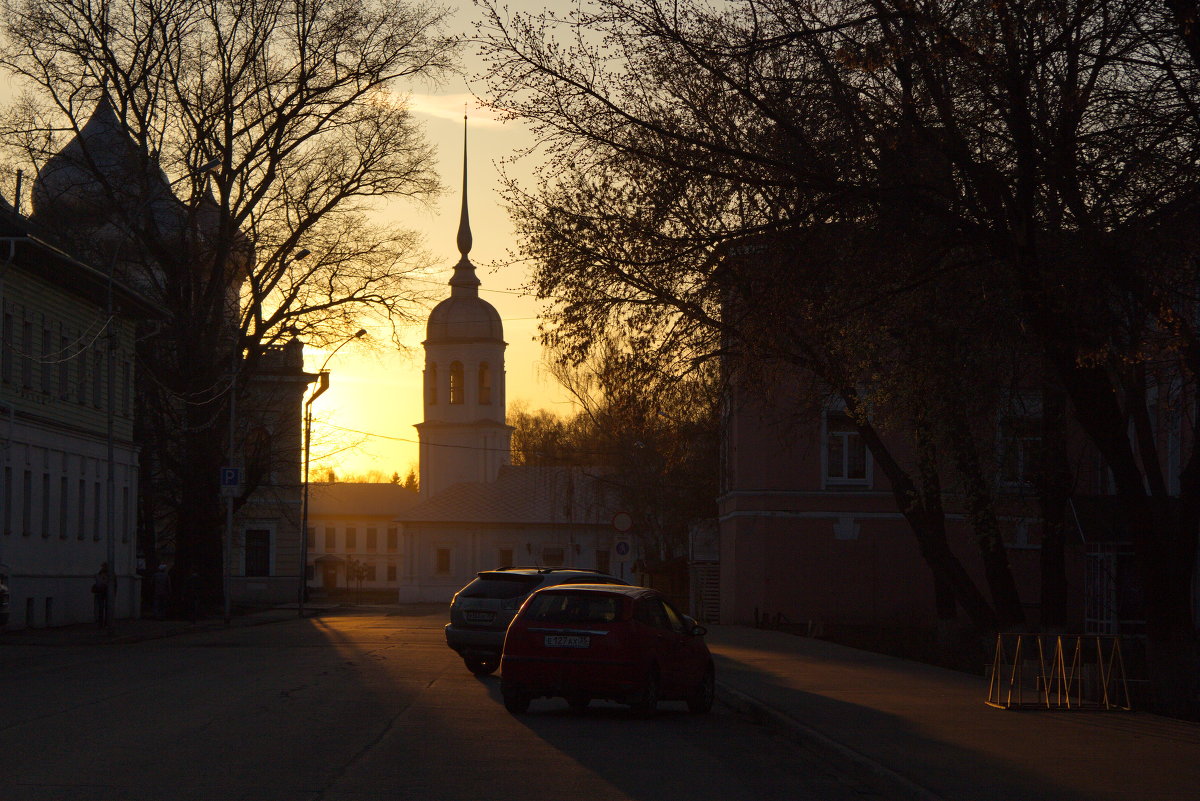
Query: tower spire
(464, 282)
(464, 221)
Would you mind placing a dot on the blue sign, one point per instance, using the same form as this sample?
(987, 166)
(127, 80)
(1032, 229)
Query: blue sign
(231, 477)
(622, 548)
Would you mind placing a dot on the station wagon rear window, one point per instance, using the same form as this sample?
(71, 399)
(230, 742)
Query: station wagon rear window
(500, 585)
(570, 608)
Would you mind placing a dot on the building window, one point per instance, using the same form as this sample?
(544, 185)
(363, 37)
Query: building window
(82, 506)
(258, 456)
(485, 384)
(553, 555)
(371, 572)
(391, 572)
(96, 512)
(456, 383)
(351, 540)
(81, 379)
(311, 538)
(505, 557)
(258, 552)
(8, 500)
(97, 378)
(27, 503)
(431, 388)
(27, 355)
(372, 539)
(845, 451)
(1020, 442)
(7, 350)
(63, 502)
(393, 535)
(441, 564)
(64, 370)
(603, 561)
(44, 367)
(45, 506)
(330, 540)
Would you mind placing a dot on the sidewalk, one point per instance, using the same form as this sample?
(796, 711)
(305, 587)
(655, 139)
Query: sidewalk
(146, 628)
(928, 732)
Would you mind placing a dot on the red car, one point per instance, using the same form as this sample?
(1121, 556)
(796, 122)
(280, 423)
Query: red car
(625, 644)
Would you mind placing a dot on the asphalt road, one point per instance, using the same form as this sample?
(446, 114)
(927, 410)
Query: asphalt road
(356, 707)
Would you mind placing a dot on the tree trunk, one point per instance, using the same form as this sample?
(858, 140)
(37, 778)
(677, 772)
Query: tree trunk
(1054, 492)
(927, 519)
(981, 511)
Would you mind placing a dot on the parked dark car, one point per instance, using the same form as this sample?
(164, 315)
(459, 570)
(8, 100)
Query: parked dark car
(481, 611)
(625, 644)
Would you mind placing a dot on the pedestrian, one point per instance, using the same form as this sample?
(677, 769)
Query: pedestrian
(100, 588)
(191, 595)
(162, 592)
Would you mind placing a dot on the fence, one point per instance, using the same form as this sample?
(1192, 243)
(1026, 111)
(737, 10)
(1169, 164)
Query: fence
(1077, 672)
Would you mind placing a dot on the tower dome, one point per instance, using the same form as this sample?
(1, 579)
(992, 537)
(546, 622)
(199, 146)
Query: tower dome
(100, 166)
(93, 192)
(464, 436)
(464, 316)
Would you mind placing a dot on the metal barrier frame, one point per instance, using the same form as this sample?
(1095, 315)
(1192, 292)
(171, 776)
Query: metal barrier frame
(1058, 688)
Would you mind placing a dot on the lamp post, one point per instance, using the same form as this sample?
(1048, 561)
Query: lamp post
(322, 385)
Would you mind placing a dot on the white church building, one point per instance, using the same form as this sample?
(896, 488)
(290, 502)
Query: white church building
(478, 511)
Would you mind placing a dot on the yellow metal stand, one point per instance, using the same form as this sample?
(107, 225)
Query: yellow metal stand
(1051, 684)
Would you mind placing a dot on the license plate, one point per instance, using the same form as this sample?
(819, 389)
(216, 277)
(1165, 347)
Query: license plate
(479, 617)
(567, 641)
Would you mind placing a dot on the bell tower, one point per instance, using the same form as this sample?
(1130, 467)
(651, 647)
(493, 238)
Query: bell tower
(464, 436)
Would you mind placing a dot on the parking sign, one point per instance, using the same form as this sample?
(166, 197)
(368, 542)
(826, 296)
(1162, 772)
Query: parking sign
(231, 479)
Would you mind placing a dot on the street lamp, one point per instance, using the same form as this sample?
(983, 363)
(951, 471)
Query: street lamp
(322, 385)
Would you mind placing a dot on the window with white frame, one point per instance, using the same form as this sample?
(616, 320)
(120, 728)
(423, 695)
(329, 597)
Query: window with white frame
(845, 454)
(258, 552)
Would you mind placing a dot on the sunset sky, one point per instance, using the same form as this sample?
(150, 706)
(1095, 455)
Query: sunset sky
(377, 390)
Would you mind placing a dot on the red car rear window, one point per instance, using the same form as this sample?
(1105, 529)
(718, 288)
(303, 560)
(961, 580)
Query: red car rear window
(565, 607)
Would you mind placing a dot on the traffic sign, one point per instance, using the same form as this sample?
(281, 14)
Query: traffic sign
(623, 549)
(231, 480)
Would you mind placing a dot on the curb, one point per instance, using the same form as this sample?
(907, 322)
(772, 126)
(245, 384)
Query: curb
(816, 741)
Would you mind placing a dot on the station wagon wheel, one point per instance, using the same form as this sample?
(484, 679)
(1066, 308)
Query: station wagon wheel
(647, 704)
(700, 700)
(482, 666)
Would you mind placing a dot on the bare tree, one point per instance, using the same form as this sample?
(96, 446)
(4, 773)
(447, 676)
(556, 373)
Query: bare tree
(282, 125)
(1054, 150)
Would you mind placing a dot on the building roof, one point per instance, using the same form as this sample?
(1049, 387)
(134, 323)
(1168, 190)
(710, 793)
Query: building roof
(25, 248)
(525, 495)
(359, 500)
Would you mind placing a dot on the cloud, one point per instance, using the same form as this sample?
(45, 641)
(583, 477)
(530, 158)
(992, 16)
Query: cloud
(450, 107)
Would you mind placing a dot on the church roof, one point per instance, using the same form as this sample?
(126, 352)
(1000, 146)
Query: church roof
(359, 499)
(523, 495)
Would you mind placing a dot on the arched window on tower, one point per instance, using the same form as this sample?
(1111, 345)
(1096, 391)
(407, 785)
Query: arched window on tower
(431, 383)
(456, 382)
(485, 384)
